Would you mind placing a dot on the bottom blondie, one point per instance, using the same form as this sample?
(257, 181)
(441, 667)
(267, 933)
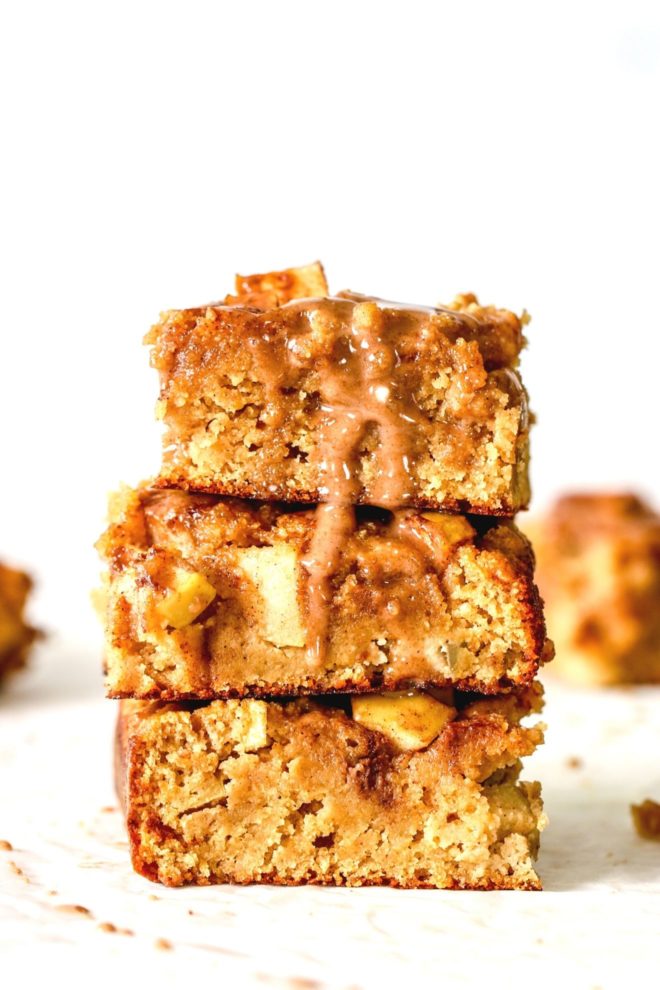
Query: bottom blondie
(403, 790)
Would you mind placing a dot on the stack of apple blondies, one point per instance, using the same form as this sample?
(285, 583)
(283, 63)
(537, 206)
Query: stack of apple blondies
(321, 617)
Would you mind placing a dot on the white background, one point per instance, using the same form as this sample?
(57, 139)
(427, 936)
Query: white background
(149, 151)
(419, 149)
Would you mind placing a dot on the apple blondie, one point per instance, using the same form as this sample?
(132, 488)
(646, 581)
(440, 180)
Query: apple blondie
(16, 635)
(409, 790)
(208, 597)
(282, 392)
(599, 572)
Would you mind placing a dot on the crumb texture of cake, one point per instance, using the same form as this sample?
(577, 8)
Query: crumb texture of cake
(208, 597)
(16, 635)
(271, 392)
(598, 569)
(252, 791)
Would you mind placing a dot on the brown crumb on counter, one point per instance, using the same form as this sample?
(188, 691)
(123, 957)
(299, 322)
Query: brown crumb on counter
(108, 809)
(575, 762)
(107, 926)
(5, 845)
(74, 909)
(163, 943)
(646, 819)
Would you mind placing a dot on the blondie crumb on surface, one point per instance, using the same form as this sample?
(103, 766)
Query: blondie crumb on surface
(646, 819)
(16, 636)
(250, 392)
(298, 792)
(206, 597)
(598, 569)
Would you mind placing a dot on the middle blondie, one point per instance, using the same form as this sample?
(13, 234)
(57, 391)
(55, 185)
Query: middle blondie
(209, 597)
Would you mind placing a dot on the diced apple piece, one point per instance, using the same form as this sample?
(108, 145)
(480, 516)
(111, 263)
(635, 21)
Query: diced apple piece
(191, 594)
(274, 572)
(411, 720)
(278, 288)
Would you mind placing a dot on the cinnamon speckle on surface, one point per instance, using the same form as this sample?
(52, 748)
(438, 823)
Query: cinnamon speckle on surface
(107, 926)
(575, 763)
(163, 943)
(5, 845)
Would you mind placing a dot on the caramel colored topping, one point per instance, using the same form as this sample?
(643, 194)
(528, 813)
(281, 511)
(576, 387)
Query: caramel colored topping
(334, 524)
(359, 390)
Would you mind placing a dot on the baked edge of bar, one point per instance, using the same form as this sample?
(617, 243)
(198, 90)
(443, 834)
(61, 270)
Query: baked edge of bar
(125, 771)
(172, 480)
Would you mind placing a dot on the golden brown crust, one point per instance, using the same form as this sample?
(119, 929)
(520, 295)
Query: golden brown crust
(599, 573)
(16, 635)
(503, 508)
(241, 389)
(467, 615)
(351, 810)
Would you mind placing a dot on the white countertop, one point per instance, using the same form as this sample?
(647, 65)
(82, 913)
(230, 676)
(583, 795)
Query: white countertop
(596, 924)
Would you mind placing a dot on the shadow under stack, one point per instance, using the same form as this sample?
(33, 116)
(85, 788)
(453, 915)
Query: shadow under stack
(321, 618)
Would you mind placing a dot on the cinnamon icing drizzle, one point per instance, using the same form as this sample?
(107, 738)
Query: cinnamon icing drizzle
(359, 390)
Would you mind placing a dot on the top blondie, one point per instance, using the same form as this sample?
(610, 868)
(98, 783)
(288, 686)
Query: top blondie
(283, 392)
